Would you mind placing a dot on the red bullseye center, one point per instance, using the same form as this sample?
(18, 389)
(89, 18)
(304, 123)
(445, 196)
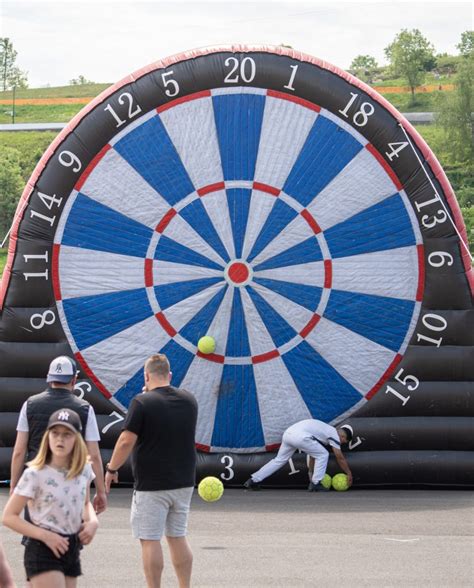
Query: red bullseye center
(238, 272)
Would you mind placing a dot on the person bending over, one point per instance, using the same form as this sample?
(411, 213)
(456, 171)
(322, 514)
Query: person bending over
(312, 437)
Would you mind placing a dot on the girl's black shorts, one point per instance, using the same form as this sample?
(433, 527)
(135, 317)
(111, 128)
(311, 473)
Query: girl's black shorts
(39, 558)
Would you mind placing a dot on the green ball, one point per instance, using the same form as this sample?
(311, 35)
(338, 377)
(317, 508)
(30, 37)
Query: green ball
(326, 481)
(210, 489)
(340, 483)
(206, 344)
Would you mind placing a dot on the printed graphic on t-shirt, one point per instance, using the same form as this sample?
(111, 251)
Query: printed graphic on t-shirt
(55, 502)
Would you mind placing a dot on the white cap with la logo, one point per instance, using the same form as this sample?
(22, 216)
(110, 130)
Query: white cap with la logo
(62, 370)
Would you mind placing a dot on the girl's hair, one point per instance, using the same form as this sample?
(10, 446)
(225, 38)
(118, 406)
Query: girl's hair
(77, 461)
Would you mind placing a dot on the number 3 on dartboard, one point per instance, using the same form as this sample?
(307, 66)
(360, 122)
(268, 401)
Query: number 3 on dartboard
(229, 474)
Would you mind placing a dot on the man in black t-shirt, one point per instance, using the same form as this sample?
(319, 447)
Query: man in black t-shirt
(160, 429)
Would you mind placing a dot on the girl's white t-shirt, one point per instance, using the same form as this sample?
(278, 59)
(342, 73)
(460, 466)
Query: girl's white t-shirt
(55, 503)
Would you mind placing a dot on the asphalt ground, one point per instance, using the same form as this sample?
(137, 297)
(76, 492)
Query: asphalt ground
(293, 538)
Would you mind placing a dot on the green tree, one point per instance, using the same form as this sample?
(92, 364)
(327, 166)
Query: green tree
(468, 215)
(80, 81)
(447, 65)
(11, 186)
(456, 119)
(455, 114)
(11, 75)
(466, 46)
(411, 55)
(364, 67)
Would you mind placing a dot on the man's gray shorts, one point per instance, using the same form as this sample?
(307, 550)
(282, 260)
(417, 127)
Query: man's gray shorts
(160, 511)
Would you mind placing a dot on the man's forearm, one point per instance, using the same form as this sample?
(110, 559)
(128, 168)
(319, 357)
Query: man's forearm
(18, 463)
(341, 460)
(97, 466)
(122, 450)
(98, 469)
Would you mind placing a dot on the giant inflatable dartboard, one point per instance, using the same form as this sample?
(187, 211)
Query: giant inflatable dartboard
(261, 197)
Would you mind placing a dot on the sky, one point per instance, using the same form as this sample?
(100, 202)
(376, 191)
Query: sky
(105, 40)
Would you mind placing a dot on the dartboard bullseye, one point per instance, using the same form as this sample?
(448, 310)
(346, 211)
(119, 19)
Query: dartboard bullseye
(238, 273)
(265, 221)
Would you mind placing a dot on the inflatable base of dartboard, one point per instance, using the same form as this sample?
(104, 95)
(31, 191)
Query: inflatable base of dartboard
(278, 204)
(371, 469)
(377, 469)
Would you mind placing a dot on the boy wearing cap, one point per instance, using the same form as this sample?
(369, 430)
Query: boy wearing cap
(312, 437)
(33, 421)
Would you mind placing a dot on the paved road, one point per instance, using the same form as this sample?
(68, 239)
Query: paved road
(289, 538)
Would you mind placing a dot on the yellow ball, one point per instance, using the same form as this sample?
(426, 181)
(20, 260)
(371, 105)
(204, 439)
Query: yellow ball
(210, 489)
(206, 344)
(326, 481)
(339, 482)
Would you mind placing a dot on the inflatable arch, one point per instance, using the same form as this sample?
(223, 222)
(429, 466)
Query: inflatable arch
(280, 205)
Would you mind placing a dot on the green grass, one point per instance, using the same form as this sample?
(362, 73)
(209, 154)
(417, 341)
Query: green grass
(83, 91)
(27, 141)
(433, 135)
(39, 113)
(430, 80)
(30, 144)
(3, 259)
(424, 101)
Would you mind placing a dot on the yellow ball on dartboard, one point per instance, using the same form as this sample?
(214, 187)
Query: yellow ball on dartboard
(210, 489)
(206, 345)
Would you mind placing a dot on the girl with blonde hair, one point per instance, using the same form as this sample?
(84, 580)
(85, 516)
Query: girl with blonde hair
(56, 487)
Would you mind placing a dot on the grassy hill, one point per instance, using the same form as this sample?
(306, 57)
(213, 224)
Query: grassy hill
(78, 91)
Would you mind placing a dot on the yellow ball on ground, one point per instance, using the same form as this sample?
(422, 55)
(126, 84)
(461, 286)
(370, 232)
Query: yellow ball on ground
(326, 481)
(206, 344)
(340, 483)
(210, 489)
